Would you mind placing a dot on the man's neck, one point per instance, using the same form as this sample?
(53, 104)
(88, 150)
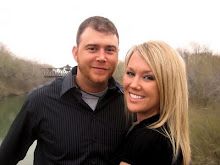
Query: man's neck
(91, 87)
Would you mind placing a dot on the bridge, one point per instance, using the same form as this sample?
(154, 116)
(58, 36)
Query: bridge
(56, 72)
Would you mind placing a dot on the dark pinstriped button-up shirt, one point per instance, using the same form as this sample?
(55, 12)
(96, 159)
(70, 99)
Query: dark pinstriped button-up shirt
(67, 130)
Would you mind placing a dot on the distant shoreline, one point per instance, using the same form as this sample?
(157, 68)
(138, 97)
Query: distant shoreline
(2, 97)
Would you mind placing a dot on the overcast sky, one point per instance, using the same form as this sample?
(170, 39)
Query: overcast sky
(45, 30)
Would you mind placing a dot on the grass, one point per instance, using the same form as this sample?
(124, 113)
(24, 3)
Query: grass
(205, 135)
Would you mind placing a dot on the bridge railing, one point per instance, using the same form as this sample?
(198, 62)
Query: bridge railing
(55, 72)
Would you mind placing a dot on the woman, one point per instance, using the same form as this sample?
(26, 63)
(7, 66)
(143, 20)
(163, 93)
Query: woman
(155, 88)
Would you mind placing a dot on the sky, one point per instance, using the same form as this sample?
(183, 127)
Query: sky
(44, 30)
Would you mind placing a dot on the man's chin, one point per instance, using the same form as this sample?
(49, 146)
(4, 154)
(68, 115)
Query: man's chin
(101, 81)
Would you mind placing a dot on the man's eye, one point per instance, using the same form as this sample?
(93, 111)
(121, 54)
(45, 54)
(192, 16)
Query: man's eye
(110, 50)
(130, 74)
(149, 77)
(92, 49)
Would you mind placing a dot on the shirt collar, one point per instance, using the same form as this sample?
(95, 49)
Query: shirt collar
(69, 82)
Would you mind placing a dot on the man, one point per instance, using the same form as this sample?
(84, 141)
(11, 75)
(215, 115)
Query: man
(78, 119)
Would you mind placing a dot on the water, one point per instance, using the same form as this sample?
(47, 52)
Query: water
(9, 107)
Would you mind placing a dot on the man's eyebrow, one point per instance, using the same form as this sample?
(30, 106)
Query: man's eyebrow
(113, 46)
(91, 45)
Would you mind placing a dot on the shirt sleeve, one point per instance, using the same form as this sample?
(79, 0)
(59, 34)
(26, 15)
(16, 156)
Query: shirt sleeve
(19, 137)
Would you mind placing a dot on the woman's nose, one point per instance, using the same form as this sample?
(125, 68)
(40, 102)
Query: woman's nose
(135, 83)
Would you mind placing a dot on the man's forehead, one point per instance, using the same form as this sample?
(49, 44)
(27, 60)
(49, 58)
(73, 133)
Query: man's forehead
(89, 32)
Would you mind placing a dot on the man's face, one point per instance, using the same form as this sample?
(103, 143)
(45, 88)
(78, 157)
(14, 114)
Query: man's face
(97, 58)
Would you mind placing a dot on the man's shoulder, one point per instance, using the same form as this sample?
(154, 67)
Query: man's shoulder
(50, 87)
(117, 85)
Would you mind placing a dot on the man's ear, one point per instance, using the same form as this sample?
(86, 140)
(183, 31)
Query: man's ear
(75, 53)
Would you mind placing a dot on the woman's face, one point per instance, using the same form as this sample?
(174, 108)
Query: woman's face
(141, 90)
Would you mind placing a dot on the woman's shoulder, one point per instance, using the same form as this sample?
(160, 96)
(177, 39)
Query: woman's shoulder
(151, 145)
(152, 136)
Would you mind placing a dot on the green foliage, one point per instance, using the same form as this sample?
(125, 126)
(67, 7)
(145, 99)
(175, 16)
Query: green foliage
(17, 75)
(205, 135)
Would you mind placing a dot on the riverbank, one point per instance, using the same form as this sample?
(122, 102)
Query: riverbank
(18, 76)
(11, 94)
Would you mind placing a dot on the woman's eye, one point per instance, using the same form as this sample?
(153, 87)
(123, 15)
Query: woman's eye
(149, 77)
(130, 74)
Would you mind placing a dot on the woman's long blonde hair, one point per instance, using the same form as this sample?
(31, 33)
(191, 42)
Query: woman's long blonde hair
(170, 73)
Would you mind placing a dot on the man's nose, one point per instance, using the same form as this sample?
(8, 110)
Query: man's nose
(101, 57)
